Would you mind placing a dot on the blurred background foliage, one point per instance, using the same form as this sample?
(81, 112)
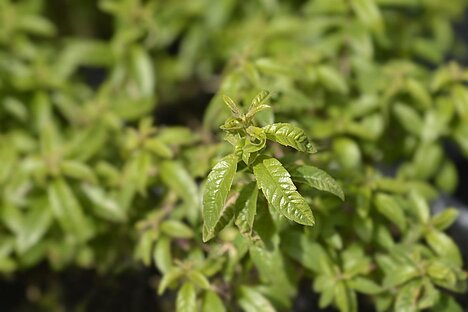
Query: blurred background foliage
(109, 123)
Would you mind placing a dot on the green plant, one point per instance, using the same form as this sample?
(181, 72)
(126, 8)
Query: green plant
(270, 175)
(93, 176)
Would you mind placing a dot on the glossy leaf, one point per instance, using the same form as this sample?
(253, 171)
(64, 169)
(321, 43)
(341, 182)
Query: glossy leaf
(216, 191)
(289, 135)
(280, 191)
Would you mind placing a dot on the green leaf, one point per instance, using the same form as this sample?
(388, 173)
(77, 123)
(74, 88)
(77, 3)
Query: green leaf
(369, 14)
(104, 205)
(178, 179)
(345, 298)
(332, 79)
(186, 299)
(159, 148)
(365, 286)
(316, 178)
(251, 300)
(390, 208)
(198, 279)
(78, 170)
(444, 246)
(407, 298)
(35, 225)
(280, 191)
(176, 229)
(420, 207)
(246, 208)
(162, 256)
(212, 302)
(169, 278)
(289, 135)
(68, 211)
(142, 69)
(232, 106)
(445, 219)
(217, 187)
(408, 118)
(257, 104)
(227, 214)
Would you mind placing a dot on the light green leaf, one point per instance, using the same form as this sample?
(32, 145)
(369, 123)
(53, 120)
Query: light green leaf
(408, 118)
(169, 278)
(345, 298)
(162, 256)
(316, 178)
(104, 205)
(390, 208)
(246, 208)
(212, 302)
(251, 300)
(400, 275)
(186, 299)
(179, 180)
(332, 79)
(444, 219)
(176, 229)
(289, 135)
(36, 223)
(232, 106)
(142, 69)
(364, 285)
(280, 191)
(159, 148)
(198, 279)
(68, 211)
(444, 246)
(407, 298)
(216, 191)
(257, 104)
(77, 170)
(227, 214)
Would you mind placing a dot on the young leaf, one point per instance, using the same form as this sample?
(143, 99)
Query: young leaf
(316, 178)
(280, 191)
(257, 104)
(217, 188)
(232, 106)
(186, 299)
(259, 99)
(289, 135)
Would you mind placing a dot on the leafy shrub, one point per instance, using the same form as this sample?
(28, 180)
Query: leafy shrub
(90, 179)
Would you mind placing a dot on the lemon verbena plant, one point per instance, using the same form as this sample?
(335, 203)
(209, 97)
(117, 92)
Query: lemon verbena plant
(260, 171)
